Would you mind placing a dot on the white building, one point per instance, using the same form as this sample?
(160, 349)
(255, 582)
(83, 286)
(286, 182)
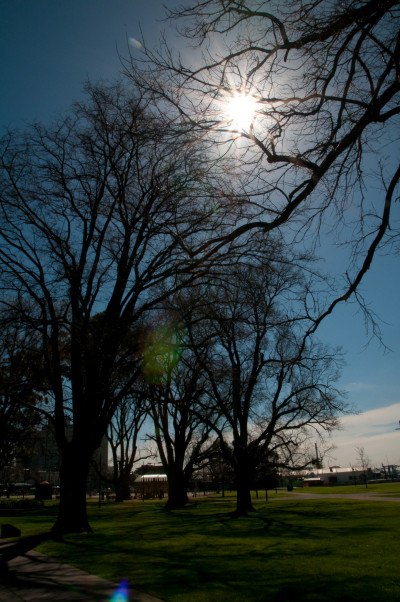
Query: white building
(334, 475)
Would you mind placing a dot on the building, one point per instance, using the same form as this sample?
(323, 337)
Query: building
(335, 475)
(150, 482)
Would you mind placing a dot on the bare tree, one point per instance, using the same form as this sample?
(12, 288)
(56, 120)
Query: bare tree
(123, 434)
(364, 462)
(97, 215)
(318, 83)
(272, 385)
(182, 425)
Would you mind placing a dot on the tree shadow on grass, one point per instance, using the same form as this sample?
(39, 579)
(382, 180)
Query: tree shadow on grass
(205, 577)
(278, 553)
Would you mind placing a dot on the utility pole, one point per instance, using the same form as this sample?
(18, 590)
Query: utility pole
(318, 463)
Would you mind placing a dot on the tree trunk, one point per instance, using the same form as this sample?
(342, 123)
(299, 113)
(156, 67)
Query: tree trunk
(72, 514)
(177, 490)
(243, 504)
(122, 486)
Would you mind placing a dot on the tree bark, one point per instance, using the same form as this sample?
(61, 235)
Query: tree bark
(122, 486)
(177, 490)
(243, 503)
(72, 513)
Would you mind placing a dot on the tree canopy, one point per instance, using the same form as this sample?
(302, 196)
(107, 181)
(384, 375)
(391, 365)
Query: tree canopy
(318, 157)
(282, 129)
(270, 384)
(97, 212)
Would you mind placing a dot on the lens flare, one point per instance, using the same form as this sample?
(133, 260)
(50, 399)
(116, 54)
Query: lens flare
(122, 592)
(162, 348)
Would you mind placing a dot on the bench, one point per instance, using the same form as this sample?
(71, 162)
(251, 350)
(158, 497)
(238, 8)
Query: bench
(12, 549)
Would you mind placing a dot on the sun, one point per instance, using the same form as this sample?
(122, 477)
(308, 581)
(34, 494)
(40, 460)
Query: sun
(240, 109)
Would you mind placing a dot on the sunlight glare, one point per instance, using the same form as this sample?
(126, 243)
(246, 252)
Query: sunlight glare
(241, 110)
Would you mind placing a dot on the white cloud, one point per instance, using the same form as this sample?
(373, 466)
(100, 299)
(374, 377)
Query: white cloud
(375, 431)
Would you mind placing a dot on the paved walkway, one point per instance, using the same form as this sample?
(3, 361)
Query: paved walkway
(35, 577)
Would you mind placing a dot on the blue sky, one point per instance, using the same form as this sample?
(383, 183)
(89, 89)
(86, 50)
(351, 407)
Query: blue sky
(49, 47)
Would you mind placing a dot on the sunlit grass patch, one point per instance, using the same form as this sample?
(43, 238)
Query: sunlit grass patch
(381, 488)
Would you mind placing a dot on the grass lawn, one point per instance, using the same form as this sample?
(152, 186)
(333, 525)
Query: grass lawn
(389, 489)
(296, 549)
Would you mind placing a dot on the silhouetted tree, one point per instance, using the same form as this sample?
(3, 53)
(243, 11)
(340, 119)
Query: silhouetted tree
(182, 423)
(123, 437)
(22, 392)
(98, 215)
(269, 381)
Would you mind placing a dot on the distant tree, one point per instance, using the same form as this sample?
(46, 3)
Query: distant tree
(123, 434)
(363, 462)
(182, 424)
(218, 471)
(267, 476)
(271, 384)
(22, 391)
(98, 215)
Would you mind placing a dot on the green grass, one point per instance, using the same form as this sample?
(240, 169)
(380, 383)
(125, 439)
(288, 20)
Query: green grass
(392, 489)
(296, 549)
